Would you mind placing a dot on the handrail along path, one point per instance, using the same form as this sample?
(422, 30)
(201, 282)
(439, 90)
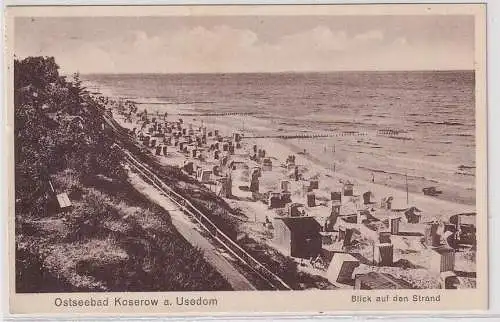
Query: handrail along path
(274, 281)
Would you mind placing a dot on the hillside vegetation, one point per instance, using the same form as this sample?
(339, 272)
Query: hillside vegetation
(112, 238)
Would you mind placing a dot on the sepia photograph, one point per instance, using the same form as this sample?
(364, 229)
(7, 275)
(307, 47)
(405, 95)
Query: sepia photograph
(254, 151)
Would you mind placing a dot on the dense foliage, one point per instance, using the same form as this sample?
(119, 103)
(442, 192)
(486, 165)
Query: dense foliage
(112, 238)
(57, 126)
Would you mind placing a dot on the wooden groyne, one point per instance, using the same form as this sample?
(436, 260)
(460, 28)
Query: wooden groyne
(171, 103)
(305, 136)
(217, 114)
(389, 134)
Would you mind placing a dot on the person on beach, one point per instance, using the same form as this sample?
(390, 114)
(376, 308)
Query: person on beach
(373, 177)
(296, 173)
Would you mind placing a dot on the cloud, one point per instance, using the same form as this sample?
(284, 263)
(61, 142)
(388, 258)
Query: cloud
(400, 41)
(320, 38)
(370, 35)
(224, 48)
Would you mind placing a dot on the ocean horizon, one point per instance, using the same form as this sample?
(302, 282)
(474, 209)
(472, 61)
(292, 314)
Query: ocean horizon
(435, 109)
(276, 72)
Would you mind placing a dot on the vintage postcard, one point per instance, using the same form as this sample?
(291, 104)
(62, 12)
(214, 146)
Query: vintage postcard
(247, 159)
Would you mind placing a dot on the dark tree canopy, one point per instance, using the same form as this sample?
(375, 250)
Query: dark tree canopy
(57, 126)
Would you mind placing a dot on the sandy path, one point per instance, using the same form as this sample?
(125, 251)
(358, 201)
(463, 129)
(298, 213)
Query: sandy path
(190, 232)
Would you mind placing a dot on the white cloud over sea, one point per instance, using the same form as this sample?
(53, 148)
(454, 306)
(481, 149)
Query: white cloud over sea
(226, 48)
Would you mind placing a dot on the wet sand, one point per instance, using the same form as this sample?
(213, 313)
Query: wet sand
(314, 165)
(320, 164)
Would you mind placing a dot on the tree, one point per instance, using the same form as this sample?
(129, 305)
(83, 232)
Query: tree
(57, 126)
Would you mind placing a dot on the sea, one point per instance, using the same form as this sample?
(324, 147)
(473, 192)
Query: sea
(430, 116)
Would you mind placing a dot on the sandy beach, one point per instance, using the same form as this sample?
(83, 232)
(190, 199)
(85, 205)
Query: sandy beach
(313, 165)
(321, 164)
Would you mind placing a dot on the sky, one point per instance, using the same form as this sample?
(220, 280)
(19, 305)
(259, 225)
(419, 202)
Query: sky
(248, 43)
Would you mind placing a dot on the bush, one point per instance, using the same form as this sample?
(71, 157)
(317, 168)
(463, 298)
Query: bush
(113, 238)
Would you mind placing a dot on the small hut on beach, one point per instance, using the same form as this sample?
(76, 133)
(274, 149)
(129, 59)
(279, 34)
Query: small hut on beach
(267, 164)
(442, 259)
(341, 268)
(383, 254)
(311, 199)
(368, 197)
(297, 236)
(336, 196)
(285, 185)
(379, 281)
(295, 209)
(274, 200)
(348, 189)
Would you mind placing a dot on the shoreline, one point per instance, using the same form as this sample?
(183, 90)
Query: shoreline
(257, 211)
(437, 208)
(453, 191)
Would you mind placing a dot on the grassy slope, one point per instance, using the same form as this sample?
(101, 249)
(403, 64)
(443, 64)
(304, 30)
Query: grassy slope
(113, 239)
